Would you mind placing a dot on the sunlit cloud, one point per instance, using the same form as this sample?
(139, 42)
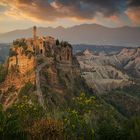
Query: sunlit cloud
(50, 11)
(134, 14)
(70, 12)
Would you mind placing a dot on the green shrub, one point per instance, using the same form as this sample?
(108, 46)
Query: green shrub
(25, 90)
(12, 53)
(109, 131)
(57, 42)
(40, 61)
(3, 73)
(77, 120)
(10, 127)
(132, 129)
(46, 129)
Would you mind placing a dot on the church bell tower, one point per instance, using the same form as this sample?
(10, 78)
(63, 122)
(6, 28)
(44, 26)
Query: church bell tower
(34, 32)
(34, 39)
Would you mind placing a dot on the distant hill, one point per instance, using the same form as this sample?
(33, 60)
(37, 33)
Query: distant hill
(108, 49)
(83, 34)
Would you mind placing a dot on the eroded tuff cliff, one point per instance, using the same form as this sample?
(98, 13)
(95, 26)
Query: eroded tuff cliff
(20, 70)
(43, 69)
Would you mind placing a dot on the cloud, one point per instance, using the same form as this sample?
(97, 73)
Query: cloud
(133, 11)
(133, 3)
(51, 10)
(134, 14)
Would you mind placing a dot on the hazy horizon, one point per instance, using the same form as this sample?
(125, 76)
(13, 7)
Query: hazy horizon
(59, 26)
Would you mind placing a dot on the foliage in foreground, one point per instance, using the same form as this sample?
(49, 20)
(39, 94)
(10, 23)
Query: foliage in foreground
(77, 120)
(28, 121)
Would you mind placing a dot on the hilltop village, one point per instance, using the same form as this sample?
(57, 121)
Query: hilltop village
(42, 61)
(33, 48)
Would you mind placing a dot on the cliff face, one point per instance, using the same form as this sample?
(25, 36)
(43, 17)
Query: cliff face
(60, 82)
(20, 70)
(130, 60)
(106, 72)
(21, 62)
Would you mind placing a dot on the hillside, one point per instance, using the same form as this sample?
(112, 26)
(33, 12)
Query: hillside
(114, 78)
(95, 34)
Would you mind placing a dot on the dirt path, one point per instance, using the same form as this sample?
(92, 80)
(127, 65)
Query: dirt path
(39, 91)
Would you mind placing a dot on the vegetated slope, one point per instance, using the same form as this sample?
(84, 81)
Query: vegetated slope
(126, 100)
(126, 104)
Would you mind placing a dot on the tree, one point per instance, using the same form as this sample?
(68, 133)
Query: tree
(57, 42)
(109, 131)
(3, 73)
(46, 129)
(27, 111)
(132, 129)
(10, 127)
(12, 53)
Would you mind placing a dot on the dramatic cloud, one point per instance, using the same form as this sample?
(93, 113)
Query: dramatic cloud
(133, 11)
(134, 3)
(134, 14)
(50, 10)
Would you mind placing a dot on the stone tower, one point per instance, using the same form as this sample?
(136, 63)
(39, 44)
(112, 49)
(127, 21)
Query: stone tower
(34, 39)
(34, 32)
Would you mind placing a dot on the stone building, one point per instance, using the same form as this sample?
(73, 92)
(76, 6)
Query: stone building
(45, 46)
(64, 53)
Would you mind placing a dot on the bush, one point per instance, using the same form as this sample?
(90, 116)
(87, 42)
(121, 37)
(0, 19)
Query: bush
(77, 121)
(3, 73)
(10, 127)
(46, 129)
(132, 129)
(40, 61)
(57, 42)
(109, 131)
(25, 90)
(12, 53)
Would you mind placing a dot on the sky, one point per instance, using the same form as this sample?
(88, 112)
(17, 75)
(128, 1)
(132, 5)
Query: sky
(21, 14)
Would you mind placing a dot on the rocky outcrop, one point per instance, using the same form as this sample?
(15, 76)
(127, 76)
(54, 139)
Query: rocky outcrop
(130, 60)
(28, 58)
